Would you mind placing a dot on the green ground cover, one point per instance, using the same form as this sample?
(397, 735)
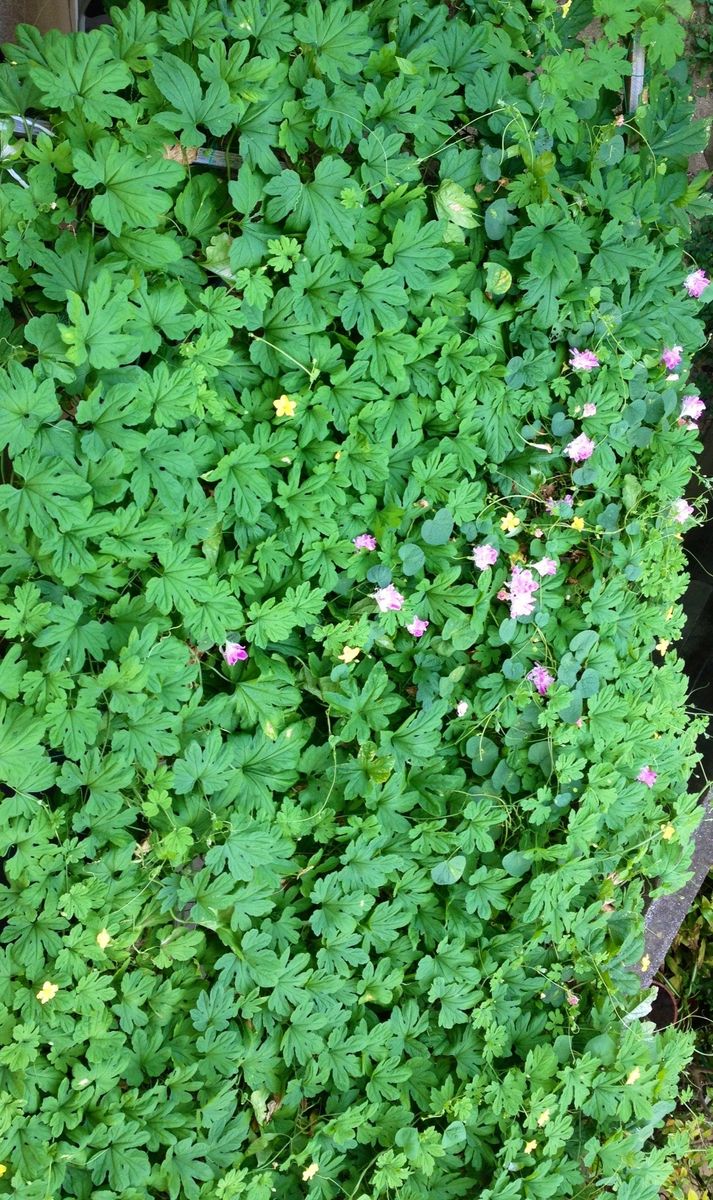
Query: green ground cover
(343, 733)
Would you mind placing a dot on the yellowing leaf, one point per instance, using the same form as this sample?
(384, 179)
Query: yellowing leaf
(455, 205)
(498, 279)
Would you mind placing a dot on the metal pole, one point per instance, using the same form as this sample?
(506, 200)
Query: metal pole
(638, 67)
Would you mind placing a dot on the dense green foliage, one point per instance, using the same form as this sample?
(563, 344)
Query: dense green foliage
(353, 916)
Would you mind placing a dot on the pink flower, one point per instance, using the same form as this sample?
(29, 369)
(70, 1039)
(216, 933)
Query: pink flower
(522, 582)
(503, 594)
(672, 358)
(234, 653)
(696, 283)
(522, 606)
(647, 776)
(693, 407)
(520, 592)
(462, 708)
(545, 566)
(552, 505)
(580, 449)
(388, 599)
(365, 541)
(583, 360)
(417, 627)
(555, 505)
(589, 410)
(682, 511)
(541, 678)
(572, 1000)
(485, 556)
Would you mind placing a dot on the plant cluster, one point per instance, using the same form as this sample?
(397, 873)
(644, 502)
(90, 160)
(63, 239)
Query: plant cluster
(701, 34)
(656, 24)
(342, 736)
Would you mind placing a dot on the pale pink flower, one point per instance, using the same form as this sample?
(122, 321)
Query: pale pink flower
(682, 511)
(520, 592)
(545, 566)
(672, 358)
(541, 678)
(485, 556)
(365, 541)
(693, 407)
(589, 410)
(462, 708)
(522, 606)
(417, 627)
(572, 1000)
(647, 776)
(388, 599)
(234, 653)
(580, 449)
(583, 360)
(503, 594)
(696, 283)
(522, 582)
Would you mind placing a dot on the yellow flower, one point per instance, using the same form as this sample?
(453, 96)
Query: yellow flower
(566, 7)
(48, 991)
(645, 963)
(349, 653)
(284, 407)
(530, 1146)
(667, 832)
(633, 1076)
(543, 1118)
(3, 1170)
(662, 645)
(578, 524)
(510, 523)
(518, 557)
(103, 939)
(310, 1171)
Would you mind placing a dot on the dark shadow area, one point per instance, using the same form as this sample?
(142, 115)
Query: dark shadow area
(696, 647)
